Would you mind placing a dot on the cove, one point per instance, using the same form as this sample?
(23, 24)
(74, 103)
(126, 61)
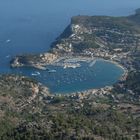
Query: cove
(68, 80)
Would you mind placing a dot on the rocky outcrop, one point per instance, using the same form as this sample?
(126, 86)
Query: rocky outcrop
(38, 61)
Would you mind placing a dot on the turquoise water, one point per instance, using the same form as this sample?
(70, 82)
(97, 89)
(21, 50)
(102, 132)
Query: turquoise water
(30, 26)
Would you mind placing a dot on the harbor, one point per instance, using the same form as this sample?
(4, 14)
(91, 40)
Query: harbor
(76, 75)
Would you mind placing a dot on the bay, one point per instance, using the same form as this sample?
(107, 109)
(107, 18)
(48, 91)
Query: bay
(30, 26)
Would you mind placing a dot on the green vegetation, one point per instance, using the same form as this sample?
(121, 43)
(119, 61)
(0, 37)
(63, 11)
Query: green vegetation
(89, 41)
(85, 123)
(133, 82)
(60, 117)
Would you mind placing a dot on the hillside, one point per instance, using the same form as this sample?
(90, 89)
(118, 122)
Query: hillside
(29, 114)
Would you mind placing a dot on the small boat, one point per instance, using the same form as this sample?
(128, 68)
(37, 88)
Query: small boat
(8, 40)
(8, 56)
(36, 73)
(52, 71)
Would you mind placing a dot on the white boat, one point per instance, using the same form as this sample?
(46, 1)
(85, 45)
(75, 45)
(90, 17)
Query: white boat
(36, 73)
(8, 40)
(65, 67)
(92, 63)
(52, 71)
(8, 56)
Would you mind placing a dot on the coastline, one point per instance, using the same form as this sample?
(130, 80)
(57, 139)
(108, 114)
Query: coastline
(119, 65)
(94, 90)
(75, 60)
(84, 42)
